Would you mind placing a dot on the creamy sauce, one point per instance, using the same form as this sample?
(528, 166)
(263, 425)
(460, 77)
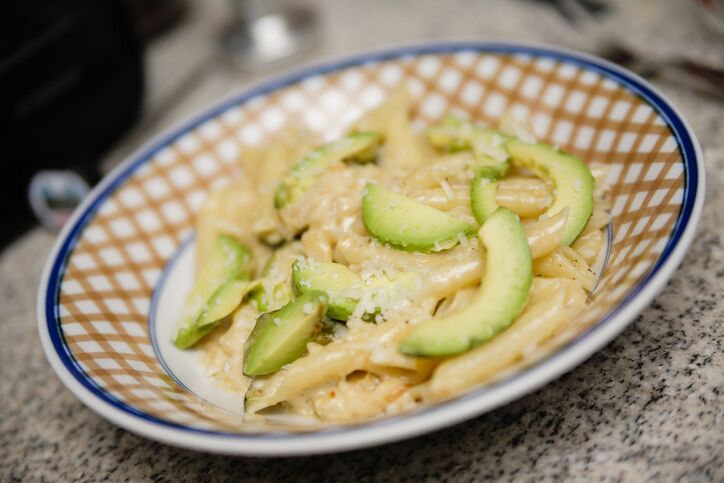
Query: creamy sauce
(361, 374)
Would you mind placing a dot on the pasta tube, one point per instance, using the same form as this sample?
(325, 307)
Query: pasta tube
(544, 236)
(332, 362)
(526, 197)
(553, 304)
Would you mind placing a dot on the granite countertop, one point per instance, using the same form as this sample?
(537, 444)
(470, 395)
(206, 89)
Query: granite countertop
(647, 407)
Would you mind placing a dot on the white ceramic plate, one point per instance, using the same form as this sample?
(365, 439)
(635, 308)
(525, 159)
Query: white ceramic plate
(109, 274)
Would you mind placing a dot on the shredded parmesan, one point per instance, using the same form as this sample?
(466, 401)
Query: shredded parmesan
(446, 188)
(464, 241)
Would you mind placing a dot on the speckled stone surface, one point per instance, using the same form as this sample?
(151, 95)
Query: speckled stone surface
(648, 407)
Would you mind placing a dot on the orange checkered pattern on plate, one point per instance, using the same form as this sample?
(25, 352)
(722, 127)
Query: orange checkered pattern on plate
(105, 294)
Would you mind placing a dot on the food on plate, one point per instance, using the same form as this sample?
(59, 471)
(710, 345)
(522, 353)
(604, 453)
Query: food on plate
(502, 295)
(281, 336)
(220, 286)
(390, 268)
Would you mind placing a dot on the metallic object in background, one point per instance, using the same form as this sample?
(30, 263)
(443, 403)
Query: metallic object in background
(266, 32)
(54, 194)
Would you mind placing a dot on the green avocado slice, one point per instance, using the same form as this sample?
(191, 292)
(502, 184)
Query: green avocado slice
(572, 180)
(502, 295)
(345, 287)
(225, 300)
(359, 146)
(189, 336)
(407, 224)
(281, 337)
(278, 267)
(228, 261)
(483, 190)
(487, 145)
(221, 304)
(334, 279)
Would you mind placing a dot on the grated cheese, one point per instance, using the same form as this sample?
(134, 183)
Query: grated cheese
(446, 188)
(464, 241)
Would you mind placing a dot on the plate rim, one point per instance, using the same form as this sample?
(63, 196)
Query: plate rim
(426, 419)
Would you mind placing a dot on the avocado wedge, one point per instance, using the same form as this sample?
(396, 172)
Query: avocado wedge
(455, 134)
(502, 295)
(213, 293)
(224, 301)
(483, 190)
(227, 260)
(572, 180)
(189, 336)
(277, 268)
(345, 287)
(408, 225)
(359, 146)
(280, 337)
(334, 279)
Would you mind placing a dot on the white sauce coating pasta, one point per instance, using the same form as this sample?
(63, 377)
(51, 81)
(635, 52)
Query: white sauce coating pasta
(361, 373)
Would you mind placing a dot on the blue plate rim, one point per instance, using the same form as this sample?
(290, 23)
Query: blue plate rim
(72, 374)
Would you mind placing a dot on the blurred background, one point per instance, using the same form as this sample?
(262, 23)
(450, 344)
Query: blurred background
(83, 83)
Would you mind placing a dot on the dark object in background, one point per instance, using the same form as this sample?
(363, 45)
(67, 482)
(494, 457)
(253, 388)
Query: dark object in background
(71, 83)
(153, 17)
(594, 8)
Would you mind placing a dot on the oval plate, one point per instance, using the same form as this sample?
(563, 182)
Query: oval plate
(95, 296)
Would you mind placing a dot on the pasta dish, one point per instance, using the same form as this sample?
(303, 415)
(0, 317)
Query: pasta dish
(390, 268)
